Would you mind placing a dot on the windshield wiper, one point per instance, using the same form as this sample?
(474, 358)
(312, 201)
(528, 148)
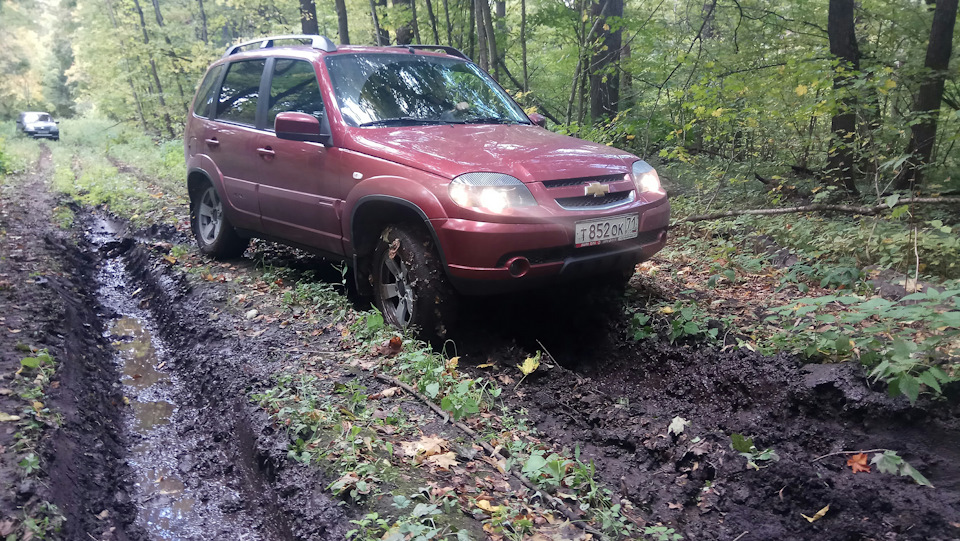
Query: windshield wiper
(489, 120)
(401, 121)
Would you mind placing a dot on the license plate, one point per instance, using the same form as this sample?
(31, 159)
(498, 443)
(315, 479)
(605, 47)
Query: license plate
(601, 230)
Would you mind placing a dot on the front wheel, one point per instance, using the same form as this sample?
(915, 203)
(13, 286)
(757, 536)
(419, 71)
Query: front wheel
(215, 234)
(409, 285)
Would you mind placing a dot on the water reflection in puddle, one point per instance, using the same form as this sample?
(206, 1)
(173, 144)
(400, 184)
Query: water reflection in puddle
(165, 511)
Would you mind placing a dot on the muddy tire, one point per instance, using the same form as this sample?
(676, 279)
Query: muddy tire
(215, 234)
(409, 284)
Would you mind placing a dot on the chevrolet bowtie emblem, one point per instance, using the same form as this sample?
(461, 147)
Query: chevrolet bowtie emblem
(596, 189)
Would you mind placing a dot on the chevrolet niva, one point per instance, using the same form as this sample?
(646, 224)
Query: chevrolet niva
(411, 164)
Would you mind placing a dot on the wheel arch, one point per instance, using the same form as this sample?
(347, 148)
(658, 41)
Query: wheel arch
(370, 215)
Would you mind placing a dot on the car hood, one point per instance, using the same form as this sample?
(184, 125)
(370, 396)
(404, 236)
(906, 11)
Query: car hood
(41, 124)
(526, 152)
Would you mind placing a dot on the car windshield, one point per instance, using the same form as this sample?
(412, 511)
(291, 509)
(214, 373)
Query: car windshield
(37, 117)
(399, 89)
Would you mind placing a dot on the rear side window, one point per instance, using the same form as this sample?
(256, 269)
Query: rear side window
(294, 88)
(206, 93)
(241, 88)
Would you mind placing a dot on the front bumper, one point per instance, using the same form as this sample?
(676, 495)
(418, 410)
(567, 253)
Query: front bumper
(44, 134)
(477, 254)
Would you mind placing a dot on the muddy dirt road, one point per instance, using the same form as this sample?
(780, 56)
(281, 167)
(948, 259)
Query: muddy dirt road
(159, 438)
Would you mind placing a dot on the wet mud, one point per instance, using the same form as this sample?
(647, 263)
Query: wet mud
(615, 399)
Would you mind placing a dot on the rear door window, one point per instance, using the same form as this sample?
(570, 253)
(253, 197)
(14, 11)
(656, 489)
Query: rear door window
(294, 88)
(206, 94)
(240, 92)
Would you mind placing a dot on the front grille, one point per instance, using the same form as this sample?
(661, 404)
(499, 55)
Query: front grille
(550, 184)
(589, 202)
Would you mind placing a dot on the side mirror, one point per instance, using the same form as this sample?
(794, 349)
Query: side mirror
(300, 127)
(538, 119)
(56, 121)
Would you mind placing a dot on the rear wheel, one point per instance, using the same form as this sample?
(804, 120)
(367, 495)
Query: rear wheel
(409, 284)
(215, 234)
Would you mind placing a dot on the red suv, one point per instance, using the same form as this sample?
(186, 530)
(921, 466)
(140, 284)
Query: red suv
(414, 166)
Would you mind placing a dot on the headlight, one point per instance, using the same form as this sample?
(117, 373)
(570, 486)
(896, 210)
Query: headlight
(493, 192)
(646, 178)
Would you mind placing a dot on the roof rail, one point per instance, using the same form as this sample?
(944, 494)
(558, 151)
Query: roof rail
(452, 51)
(317, 42)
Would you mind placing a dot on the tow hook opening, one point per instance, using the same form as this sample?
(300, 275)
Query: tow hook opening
(518, 266)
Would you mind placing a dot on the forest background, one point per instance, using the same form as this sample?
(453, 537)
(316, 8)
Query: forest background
(860, 95)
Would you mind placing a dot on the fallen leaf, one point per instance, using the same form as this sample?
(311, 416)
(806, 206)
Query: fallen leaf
(104, 514)
(485, 505)
(395, 344)
(37, 405)
(485, 365)
(386, 393)
(675, 505)
(677, 425)
(5, 417)
(530, 364)
(817, 516)
(858, 463)
(170, 259)
(6, 527)
(427, 446)
(444, 460)
(5, 392)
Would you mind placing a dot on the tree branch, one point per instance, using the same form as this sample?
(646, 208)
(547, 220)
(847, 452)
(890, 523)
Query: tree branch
(847, 209)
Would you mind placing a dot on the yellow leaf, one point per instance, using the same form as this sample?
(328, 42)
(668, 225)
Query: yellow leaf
(452, 363)
(890, 83)
(485, 505)
(170, 259)
(717, 113)
(485, 365)
(6, 417)
(801, 90)
(606, 27)
(530, 364)
(817, 516)
(37, 405)
(666, 310)
(631, 137)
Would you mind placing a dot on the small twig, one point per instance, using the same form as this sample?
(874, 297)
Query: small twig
(739, 537)
(849, 453)
(439, 411)
(546, 351)
(556, 503)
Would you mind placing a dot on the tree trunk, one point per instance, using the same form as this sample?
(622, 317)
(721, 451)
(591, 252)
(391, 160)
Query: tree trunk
(491, 37)
(924, 134)
(203, 22)
(843, 45)
(308, 17)
(126, 61)
(523, 44)
(168, 124)
(604, 79)
(433, 22)
(405, 32)
(380, 35)
(481, 35)
(446, 14)
(342, 28)
(473, 24)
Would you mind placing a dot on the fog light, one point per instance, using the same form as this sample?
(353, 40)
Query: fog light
(518, 266)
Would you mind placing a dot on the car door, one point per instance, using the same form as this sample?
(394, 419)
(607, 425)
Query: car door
(300, 193)
(232, 140)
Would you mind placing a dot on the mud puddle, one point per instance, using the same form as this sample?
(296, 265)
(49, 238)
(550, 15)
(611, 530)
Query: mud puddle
(173, 498)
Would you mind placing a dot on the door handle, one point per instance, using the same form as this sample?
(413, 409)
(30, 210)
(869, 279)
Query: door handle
(212, 142)
(266, 152)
